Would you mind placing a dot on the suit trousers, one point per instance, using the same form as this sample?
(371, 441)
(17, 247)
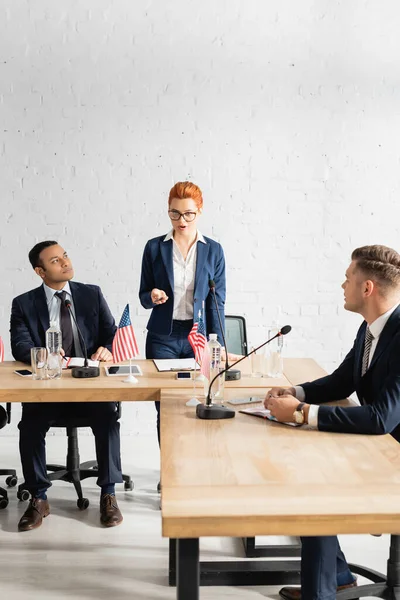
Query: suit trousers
(323, 568)
(175, 345)
(37, 420)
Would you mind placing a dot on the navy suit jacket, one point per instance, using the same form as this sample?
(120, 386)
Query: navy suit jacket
(158, 272)
(378, 390)
(30, 320)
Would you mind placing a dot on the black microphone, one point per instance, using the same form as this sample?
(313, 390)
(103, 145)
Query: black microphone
(230, 374)
(84, 371)
(213, 411)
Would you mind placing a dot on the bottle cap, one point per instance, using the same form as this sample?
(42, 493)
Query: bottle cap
(213, 337)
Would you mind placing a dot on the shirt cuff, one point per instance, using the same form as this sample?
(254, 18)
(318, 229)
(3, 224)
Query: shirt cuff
(313, 416)
(300, 393)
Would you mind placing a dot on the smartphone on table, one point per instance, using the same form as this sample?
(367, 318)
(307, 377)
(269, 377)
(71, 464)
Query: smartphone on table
(23, 372)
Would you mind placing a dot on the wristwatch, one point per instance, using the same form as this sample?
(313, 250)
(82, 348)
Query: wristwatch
(298, 415)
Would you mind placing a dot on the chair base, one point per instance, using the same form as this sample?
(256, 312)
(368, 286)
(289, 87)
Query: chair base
(11, 481)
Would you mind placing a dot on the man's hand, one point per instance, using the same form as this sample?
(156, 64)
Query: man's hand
(282, 408)
(102, 354)
(158, 296)
(276, 392)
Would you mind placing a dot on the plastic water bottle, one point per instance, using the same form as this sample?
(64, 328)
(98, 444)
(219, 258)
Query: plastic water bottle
(53, 345)
(217, 390)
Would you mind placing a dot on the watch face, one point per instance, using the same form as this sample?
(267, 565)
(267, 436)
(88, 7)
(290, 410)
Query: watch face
(298, 417)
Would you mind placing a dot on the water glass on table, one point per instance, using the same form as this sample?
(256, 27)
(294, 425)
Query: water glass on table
(39, 363)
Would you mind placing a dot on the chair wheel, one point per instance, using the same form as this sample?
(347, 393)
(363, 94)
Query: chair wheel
(23, 495)
(12, 481)
(3, 502)
(128, 486)
(82, 503)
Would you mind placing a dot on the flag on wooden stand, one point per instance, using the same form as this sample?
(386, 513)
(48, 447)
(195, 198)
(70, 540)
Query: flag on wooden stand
(124, 346)
(198, 341)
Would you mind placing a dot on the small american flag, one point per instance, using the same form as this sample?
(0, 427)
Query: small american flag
(198, 341)
(124, 346)
(1, 349)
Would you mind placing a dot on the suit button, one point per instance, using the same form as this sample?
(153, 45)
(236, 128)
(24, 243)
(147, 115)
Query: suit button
(195, 300)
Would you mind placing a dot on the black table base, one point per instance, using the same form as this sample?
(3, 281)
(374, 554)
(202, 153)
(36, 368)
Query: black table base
(188, 573)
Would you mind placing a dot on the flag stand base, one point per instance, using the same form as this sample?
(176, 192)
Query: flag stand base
(193, 402)
(130, 379)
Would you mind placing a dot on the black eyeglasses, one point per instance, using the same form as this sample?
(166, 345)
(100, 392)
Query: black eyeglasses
(175, 215)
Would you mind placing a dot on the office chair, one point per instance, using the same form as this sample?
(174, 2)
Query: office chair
(12, 479)
(236, 335)
(74, 471)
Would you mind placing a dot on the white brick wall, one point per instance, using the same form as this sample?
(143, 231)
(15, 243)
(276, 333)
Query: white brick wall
(285, 113)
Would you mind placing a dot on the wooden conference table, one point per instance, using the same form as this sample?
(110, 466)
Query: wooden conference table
(245, 476)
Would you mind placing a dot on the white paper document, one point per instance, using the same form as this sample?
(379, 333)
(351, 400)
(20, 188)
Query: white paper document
(175, 364)
(68, 363)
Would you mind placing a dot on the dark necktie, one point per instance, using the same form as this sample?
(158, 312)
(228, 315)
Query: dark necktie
(367, 349)
(66, 326)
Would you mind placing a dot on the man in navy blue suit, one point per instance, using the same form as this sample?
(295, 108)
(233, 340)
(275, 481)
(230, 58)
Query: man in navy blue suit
(31, 315)
(372, 370)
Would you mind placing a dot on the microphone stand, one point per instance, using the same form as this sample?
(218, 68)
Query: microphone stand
(214, 411)
(230, 374)
(85, 371)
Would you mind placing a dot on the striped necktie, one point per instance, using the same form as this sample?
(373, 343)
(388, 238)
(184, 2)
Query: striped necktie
(367, 349)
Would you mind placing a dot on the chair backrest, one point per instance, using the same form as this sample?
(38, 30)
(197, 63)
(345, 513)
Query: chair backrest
(235, 333)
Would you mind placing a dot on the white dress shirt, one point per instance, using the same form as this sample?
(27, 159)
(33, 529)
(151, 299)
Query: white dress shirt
(184, 277)
(376, 329)
(54, 305)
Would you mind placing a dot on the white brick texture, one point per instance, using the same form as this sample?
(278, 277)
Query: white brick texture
(285, 113)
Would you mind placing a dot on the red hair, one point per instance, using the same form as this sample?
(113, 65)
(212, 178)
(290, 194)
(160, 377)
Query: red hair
(186, 189)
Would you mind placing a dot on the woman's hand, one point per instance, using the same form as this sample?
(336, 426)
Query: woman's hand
(158, 296)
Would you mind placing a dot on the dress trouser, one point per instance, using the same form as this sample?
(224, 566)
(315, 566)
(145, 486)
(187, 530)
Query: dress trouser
(323, 568)
(175, 345)
(38, 418)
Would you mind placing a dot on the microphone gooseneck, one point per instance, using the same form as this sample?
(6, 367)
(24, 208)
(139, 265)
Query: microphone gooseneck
(284, 331)
(85, 371)
(211, 284)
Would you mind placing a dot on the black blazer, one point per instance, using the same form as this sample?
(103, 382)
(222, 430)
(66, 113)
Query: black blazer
(158, 272)
(378, 390)
(30, 320)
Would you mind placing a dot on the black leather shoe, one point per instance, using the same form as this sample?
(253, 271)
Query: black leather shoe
(294, 593)
(33, 517)
(110, 515)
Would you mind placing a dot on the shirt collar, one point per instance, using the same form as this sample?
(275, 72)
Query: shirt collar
(50, 291)
(199, 237)
(377, 326)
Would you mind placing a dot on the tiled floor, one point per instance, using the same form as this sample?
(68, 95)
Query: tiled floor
(71, 556)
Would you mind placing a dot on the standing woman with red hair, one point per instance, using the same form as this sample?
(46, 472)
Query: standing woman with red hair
(176, 270)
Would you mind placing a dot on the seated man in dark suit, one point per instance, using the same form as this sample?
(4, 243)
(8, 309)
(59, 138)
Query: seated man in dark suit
(372, 370)
(30, 318)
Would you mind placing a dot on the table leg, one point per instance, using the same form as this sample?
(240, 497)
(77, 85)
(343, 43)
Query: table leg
(187, 569)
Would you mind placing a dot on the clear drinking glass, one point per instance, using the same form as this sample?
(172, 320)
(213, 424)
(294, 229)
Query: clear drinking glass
(38, 363)
(274, 360)
(257, 363)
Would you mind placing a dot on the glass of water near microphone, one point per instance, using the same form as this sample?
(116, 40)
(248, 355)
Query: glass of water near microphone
(46, 363)
(268, 361)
